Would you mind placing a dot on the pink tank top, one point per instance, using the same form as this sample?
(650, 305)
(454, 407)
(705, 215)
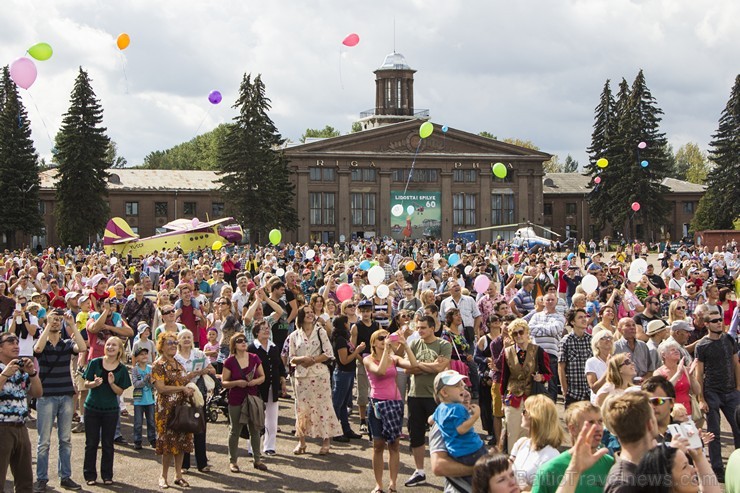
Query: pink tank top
(384, 388)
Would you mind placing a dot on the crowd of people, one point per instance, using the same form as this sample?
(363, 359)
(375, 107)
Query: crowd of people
(424, 341)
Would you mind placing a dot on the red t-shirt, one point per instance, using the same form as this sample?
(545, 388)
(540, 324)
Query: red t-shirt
(59, 302)
(238, 394)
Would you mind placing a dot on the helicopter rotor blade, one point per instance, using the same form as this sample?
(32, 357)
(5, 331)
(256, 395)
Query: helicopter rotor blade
(502, 226)
(544, 229)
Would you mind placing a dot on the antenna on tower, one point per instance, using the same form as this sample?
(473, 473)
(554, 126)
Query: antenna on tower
(394, 34)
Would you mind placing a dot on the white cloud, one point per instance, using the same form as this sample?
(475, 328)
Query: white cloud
(531, 69)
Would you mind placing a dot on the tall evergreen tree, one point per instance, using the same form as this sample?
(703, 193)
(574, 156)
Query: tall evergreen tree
(570, 165)
(255, 180)
(19, 170)
(82, 153)
(721, 206)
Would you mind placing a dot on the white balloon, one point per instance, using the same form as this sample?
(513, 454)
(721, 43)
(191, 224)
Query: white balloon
(437, 256)
(590, 283)
(639, 265)
(113, 260)
(410, 210)
(280, 272)
(310, 254)
(375, 275)
(397, 210)
(368, 291)
(383, 291)
(634, 275)
(468, 269)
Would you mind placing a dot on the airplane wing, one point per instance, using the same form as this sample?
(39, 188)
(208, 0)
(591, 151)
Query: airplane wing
(187, 224)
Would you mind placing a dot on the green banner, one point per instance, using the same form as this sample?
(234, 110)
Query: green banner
(416, 215)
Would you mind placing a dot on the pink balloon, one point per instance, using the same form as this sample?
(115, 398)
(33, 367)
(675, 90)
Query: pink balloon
(344, 292)
(597, 180)
(641, 145)
(481, 284)
(351, 40)
(23, 72)
(635, 206)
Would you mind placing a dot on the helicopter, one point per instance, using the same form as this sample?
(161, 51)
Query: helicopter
(524, 237)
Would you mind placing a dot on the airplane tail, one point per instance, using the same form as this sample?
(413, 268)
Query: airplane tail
(117, 229)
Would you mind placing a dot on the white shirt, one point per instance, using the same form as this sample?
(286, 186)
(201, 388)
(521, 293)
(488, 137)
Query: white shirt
(240, 299)
(527, 461)
(597, 367)
(467, 306)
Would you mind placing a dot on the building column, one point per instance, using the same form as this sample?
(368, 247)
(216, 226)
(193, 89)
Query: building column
(522, 191)
(446, 177)
(302, 204)
(538, 212)
(383, 203)
(343, 210)
(484, 201)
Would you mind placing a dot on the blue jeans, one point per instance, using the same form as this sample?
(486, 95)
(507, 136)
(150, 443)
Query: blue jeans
(341, 396)
(554, 383)
(151, 430)
(59, 408)
(727, 403)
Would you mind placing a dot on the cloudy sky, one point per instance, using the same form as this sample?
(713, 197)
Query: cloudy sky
(531, 69)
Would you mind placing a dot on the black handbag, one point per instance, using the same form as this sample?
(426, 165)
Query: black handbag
(538, 387)
(187, 418)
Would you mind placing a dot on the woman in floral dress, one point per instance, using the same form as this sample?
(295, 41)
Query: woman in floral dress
(309, 348)
(170, 380)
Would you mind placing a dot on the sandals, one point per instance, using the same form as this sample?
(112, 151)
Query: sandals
(324, 450)
(377, 490)
(234, 468)
(182, 483)
(392, 490)
(205, 469)
(108, 482)
(91, 482)
(162, 483)
(299, 449)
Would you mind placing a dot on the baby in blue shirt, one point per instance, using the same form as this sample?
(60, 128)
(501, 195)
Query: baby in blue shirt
(454, 420)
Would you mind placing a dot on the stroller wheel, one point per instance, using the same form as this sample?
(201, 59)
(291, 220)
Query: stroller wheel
(212, 415)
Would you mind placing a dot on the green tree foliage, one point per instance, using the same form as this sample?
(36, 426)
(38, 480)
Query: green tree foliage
(487, 135)
(255, 179)
(114, 160)
(691, 164)
(200, 152)
(324, 133)
(553, 165)
(19, 170)
(570, 165)
(721, 205)
(83, 156)
(356, 127)
(521, 143)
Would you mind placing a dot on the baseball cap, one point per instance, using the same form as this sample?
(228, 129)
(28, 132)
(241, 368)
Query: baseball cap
(140, 350)
(70, 295)
(83, 298)
(655, 326)
(365, 304)
(445, 378)
(142, 327)
(682, 325)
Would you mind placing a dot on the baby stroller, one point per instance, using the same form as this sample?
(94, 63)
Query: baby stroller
(218, 400)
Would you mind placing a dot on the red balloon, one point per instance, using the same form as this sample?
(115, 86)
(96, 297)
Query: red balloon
(351, 40)
(635, 206)
(344, 292)
(597, 180)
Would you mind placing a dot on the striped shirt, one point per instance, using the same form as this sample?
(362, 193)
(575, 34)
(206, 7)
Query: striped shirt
(54, 368)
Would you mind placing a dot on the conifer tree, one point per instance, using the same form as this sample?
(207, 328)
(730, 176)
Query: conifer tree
(82, 179)
(255, 180)
(720, 207)
(19, 170)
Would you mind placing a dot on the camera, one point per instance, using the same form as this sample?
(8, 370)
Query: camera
(21, 362)
(59, 311)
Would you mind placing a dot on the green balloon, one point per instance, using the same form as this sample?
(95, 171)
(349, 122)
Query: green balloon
(426, 130)
(275, 236)
(41, 51)
(499, 169)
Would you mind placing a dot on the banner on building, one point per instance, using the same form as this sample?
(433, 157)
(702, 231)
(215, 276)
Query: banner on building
(416, 215)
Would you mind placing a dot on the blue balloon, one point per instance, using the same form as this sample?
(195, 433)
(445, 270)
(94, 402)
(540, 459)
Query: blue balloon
(644, 164)
(454, 259)
(365, 265)
(571, 255)
(444, 129)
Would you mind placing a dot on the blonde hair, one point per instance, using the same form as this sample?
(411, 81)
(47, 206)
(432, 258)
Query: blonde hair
(518, 323)
(373, 338)
(595, 340)
(544, 424)
(121, 346)
(613, 374)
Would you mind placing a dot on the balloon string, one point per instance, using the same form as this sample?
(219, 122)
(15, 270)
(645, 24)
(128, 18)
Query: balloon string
(203, 120)
(341, 84)
(123, 66)
(43, 122)
(411, 172)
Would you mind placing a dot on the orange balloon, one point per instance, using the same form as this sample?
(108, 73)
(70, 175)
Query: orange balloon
(123, 41)
(410, 266)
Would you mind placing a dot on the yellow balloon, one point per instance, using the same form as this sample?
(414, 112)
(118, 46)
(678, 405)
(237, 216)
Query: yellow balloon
(123, 41)
(602, 163)
(410, 266)
(217, 245)
(426, 130)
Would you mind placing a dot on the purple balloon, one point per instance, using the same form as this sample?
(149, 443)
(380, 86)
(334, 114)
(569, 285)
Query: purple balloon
(23, 72)
(641, 145)
(214, 97)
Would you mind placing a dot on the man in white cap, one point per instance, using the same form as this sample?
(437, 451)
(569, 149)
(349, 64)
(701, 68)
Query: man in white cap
(657, 332)
(680, 332)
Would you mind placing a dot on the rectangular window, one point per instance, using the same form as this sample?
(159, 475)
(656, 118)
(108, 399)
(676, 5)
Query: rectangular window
(419, 175)
(315, 208)
(463, 209)
(217, 209)
(688, 207)
(502, 208)
(188, 209)
(548, 208)
(356, 205)
(356, 174)
(314, 174)
(42, 207)
(368, 174)
(570, 208)
(370, 209)
(329, 174)
(160, 209)
(328, 208)
(464, 175)
(132, 208)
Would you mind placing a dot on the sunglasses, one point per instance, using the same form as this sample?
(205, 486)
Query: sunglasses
(680, 308)
(518, 333)
(11, 339)
(626, 362)
(351, 305)
(659, 401)
(168, 312)
(381, 338)
(240, 341)
(170, 343)
(715, 321)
